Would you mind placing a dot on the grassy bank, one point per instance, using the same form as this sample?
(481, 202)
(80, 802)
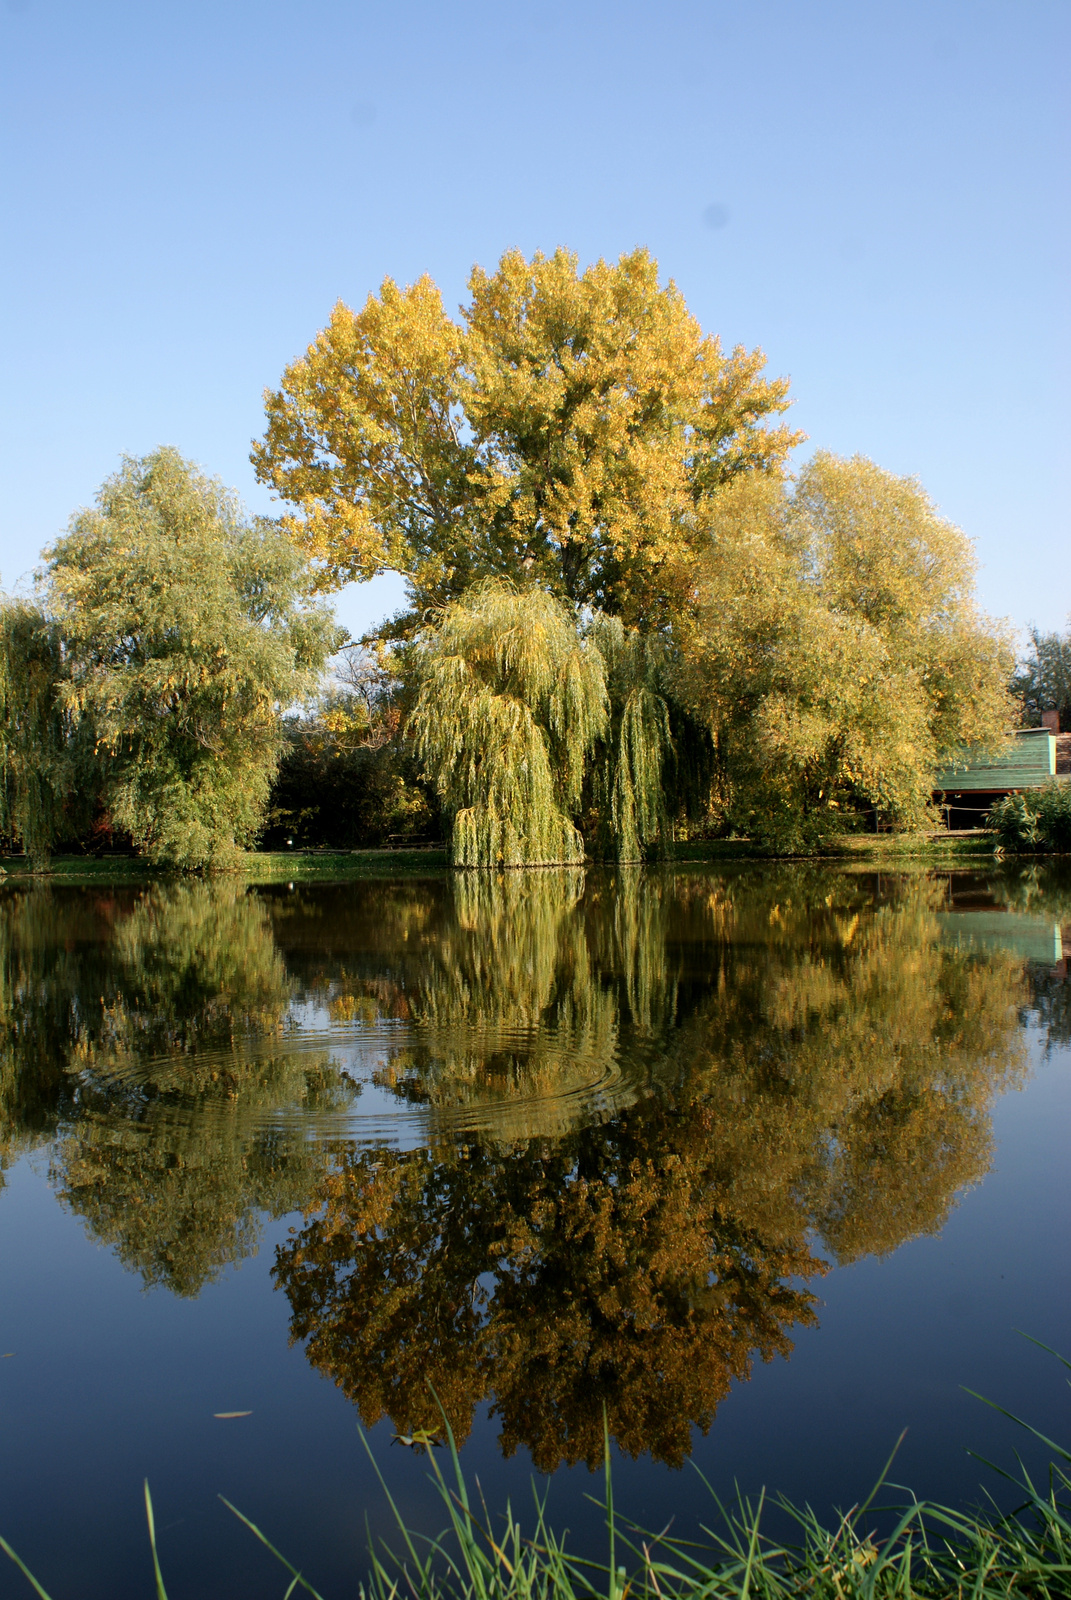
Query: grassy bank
(913, 1551)
(310, 866)
(941, 848)
(305, 866)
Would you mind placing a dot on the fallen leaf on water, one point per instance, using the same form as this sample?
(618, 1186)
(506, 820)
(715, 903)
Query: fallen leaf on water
(232, 1413)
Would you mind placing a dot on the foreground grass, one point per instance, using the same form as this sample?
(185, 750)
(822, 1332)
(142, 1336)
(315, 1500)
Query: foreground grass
(911, 1551)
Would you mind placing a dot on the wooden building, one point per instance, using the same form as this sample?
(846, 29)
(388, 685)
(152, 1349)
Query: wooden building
(1034, 757)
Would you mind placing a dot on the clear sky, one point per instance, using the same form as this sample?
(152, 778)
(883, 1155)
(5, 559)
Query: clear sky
(874, 191)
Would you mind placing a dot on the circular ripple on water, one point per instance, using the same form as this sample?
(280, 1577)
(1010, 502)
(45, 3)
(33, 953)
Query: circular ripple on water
(400, 1083)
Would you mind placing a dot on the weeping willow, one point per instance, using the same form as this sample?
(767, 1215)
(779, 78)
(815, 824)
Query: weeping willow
(512, 702)
(528, 717)
(34, 746)
(629, 790)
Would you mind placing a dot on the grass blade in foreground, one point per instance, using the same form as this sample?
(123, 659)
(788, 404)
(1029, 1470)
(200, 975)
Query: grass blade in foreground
(932, 1552)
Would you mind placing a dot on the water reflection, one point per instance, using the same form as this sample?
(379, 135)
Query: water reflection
(142, 1033)
(643, 1111)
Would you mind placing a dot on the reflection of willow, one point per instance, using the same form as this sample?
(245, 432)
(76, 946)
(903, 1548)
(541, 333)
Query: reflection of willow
(516, 996)
(509, 1014)
(828, 1072)
(143, 1032)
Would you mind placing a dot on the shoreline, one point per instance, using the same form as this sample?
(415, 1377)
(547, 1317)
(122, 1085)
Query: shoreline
(339, 865)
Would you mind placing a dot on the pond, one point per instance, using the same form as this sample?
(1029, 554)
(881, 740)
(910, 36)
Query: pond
(761, 1164)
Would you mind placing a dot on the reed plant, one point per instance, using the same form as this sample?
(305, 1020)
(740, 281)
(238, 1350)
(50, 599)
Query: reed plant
(914, 1550)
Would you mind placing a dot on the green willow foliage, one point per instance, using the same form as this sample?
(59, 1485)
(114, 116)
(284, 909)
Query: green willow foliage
(629, 793)
(35, 755)
(512, 702)
(525, 715)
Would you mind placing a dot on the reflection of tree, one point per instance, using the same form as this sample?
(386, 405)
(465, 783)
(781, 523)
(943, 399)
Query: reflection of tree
(822, 1065)
(508, 1015)
(865, 1053)
(792, 1056)
(562, 1278)
(144, 1033)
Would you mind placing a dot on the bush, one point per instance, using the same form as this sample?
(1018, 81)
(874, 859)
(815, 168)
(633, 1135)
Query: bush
(1034, 824)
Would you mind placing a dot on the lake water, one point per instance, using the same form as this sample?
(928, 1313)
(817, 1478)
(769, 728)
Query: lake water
(763, 1163)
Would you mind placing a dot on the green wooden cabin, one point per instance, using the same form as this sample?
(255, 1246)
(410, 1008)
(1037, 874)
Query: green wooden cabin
(967, 790)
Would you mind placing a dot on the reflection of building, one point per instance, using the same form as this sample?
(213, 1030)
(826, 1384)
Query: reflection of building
(1032, 758)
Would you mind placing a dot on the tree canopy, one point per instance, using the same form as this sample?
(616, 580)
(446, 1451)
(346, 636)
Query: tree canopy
(186, 630)
(835, 653)
(564, 428)
(38, 757)
(1043, 682)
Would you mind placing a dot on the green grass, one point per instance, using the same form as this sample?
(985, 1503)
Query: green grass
(912, 1551)
(331, 866)
(939, 847)
(305, 866)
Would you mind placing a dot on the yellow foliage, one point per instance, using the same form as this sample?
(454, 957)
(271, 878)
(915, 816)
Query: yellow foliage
(564, 429)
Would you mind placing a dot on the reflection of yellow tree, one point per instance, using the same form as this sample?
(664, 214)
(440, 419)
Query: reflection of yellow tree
(822, 1065)
(563, 1278)
(144, 1032)
(885, 1048)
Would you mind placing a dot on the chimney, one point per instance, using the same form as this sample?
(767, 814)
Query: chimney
(1051, 720)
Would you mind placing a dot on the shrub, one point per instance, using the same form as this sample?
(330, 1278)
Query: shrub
(1034, 824)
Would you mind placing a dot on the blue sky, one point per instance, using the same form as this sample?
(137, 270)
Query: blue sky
(187, 189)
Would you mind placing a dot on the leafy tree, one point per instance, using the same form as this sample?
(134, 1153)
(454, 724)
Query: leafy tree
(525, 718)
(563, 431)
(836, 655)
(186, 630)
(38, 758)
(511, 704)
(1043, 682)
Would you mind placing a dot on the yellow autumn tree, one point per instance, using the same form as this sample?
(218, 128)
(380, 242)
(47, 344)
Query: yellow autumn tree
(834, 651)
(562, 431)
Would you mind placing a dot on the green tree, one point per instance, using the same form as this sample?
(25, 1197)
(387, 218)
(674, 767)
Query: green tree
(186, 630)
(38, 757)
(511, 703)
(1043, 681)
(562, 431)
(526, 717)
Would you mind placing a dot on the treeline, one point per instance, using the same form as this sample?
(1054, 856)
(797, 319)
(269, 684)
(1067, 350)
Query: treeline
(627, 619)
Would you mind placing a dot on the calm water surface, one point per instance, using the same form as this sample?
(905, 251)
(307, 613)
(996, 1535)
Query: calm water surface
(762, 1163)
